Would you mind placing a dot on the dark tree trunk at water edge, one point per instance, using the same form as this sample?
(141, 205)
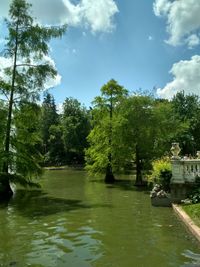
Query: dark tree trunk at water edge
(138, 181)
(109, 178)
(5, 189)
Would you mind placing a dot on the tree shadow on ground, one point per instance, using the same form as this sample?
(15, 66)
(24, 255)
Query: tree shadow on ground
(37, 203)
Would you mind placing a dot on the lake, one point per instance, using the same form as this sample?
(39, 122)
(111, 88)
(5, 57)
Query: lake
(74, 221)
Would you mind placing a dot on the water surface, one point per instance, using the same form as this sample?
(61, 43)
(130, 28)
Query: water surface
(77, 222)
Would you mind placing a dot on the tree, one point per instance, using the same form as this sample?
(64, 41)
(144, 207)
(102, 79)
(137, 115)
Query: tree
(3, 113)
(51, 131)
(26, 140)
(139, 132)
(148, 130)
(56, 153)
(187, 109)
(101, 156)
(49, 117)
(76, 127)
(169, 127)
(27, 50)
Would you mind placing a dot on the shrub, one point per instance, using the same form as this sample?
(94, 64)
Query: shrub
(161, 173)
(195, 193)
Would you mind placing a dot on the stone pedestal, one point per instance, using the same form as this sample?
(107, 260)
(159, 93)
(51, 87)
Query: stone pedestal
(178, 192)
(177, 172)
(161, 202)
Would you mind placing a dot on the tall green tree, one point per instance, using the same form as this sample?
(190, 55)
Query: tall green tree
(27, 49)
(52, 133)
(169, 127)
(147, 132)
(26, 140)
(3, 113)
(56, 154)
(76, 127)
(139, 131)
(49, 117)
(101, 156)
(187, 109)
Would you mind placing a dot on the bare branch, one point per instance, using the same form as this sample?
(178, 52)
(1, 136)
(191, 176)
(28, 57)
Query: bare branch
(26, 65)
(4, 93)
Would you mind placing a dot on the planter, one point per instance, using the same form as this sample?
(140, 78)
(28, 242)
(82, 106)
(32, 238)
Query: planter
(161, 201)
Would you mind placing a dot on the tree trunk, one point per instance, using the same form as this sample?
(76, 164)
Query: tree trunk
(109, 178)
(5, 186)
(5, 189)
(138, 181)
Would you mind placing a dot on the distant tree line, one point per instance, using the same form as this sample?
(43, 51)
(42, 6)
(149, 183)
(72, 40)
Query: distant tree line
(121, 131)
(64, 135)
(135, 129)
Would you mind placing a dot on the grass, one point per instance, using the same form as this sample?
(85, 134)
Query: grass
(193, 210)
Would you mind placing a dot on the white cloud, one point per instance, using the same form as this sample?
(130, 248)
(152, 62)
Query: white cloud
(186, 77)
(2, 41)
(95, 15)
(52, 82)
(161, 7)
(59, 108)
(193, 40)
(183, 20)
(98, 14)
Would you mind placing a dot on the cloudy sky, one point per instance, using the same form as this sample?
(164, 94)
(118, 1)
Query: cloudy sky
(142, 44)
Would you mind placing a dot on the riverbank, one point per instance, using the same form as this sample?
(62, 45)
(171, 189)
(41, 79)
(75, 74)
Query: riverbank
(66, 167)
(191, 222)
(193, 210)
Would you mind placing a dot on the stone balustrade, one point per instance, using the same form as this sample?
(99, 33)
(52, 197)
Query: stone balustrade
(184, 173)
(185, 170)
(191, 169)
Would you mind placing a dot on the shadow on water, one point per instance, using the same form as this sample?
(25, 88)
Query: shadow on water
(124, 184)
(37, 203)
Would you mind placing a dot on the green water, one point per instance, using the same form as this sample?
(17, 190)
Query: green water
(76, 222)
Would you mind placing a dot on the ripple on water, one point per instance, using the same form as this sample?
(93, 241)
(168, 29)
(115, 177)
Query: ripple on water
(195, 257)
(94, 226)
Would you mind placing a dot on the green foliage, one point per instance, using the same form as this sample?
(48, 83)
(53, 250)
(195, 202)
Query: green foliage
(56, 152)
(3, 114)
(135, 129)
(140, 124)
(161, 173)
(18, 179)
(27, 49)
(52, 133)
(194, 195)
(49, 117)
(105, 147)
(168, 127)
(187, 109)
(185, 106)
(76, 127)
(26, 142)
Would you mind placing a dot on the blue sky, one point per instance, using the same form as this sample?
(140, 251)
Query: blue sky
(136, 42)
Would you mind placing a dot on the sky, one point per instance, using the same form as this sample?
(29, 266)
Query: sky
(142, 44)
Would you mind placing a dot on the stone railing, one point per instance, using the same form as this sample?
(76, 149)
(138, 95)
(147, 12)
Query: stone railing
(184, 173)
(185, 170)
